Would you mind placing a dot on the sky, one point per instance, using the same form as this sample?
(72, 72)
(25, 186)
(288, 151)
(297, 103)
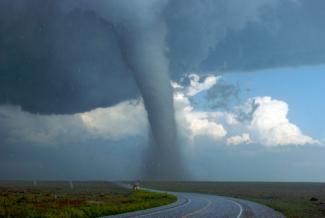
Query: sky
(303, 93)
(184, 89)
(282, 163)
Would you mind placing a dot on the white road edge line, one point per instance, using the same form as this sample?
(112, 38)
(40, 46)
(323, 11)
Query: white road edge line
(167, 209)
(240, 208)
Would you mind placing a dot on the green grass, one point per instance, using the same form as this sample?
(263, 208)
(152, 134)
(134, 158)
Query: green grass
(85, 199)
(291, 199)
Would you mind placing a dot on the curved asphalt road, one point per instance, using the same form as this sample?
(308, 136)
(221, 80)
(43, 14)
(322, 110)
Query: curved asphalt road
(202, 205)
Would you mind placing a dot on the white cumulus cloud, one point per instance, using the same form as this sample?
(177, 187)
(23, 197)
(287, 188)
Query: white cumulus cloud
(271, 126)
(196, 123)
(239, 139)
(127, 118)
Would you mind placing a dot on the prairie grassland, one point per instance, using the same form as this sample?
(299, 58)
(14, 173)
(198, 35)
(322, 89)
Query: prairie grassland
(77, 199)
(291, 199)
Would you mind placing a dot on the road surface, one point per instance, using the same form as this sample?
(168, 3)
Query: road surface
(203, 205)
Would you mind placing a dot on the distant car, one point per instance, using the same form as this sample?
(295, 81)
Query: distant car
(136, 186)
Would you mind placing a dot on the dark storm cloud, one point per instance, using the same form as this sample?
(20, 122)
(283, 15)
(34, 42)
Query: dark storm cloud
(61, 59)
(52, 62)
(291, 34)
(196, 27)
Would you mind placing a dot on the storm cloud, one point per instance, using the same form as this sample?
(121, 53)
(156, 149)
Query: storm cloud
(66, 56)
(52, 62)
(288, 35)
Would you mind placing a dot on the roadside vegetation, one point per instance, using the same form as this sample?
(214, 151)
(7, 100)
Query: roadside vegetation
(75, 200)
(294, 200)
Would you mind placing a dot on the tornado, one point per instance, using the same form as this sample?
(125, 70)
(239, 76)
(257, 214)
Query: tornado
(143, 48)
(151, 74)
(141, 33)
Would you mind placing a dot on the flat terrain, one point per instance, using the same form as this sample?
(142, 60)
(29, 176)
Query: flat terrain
(291, 199)
(73, 199)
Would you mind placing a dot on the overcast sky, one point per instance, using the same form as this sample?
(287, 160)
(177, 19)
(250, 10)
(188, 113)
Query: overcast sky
(232, 90)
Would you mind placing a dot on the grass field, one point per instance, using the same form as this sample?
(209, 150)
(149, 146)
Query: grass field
(292, 199)
(75, 200)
